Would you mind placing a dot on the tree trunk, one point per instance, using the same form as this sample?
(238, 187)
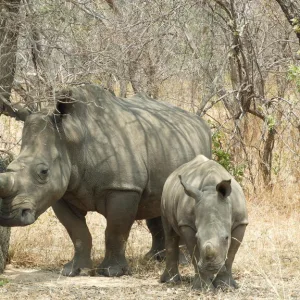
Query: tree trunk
(9, 30)
(4, 245)
(291, 9)
(5, 158)
(266, 164)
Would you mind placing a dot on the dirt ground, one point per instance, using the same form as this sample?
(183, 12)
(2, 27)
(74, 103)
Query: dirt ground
(39, 284)
(267, 265)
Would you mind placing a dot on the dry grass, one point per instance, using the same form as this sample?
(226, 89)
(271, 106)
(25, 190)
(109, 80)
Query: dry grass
(267, 265)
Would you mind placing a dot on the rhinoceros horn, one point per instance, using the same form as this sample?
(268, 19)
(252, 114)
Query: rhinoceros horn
(210, 251)
(6, 184)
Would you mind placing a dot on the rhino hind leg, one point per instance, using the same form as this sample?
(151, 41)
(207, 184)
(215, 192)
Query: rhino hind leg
(75, 224)
(171, 272)
(157, 250)
(121, 209)
(225, 279)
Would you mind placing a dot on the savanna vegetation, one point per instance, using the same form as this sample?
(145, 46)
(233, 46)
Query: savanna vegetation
(234, 62)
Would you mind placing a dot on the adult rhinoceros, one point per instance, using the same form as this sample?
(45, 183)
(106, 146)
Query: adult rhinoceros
(97, 152)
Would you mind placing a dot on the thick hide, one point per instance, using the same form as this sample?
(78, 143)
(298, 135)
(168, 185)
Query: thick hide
(203, 205)
(97, 152)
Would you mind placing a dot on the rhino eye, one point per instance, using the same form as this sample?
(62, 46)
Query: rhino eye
(42, 172)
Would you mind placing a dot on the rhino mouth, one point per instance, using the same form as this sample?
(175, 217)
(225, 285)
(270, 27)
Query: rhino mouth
(20, 216)
(212, 267)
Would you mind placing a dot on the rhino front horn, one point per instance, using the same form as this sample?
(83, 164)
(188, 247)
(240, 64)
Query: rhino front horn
(210, 251)
(6, 184)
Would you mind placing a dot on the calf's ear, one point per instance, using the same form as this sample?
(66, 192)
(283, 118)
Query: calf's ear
(191, 191)
(224, 188)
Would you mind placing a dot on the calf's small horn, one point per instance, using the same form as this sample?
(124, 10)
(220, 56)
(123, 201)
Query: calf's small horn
(210, 251)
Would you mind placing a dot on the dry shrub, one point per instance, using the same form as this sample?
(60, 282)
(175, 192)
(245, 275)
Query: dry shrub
(10, 134)
(279, 197)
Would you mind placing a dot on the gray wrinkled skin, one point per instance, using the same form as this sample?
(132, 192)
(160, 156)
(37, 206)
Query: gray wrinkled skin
(203, 205)
(97, 152)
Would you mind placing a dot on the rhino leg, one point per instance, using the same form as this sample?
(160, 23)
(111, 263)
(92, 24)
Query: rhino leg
(121, 209)
(158, 239)
(75, 223)
(157, 250)
(225, 278)
(201, 281)
(171, 273)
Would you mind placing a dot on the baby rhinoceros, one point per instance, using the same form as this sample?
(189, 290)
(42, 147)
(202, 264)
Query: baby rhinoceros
(205, 206)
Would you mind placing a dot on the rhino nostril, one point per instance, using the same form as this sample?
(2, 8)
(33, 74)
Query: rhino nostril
(25, 212)
(28, 216)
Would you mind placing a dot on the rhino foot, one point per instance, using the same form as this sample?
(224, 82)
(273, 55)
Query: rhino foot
(202, 283)
(225, 281)
(74, 268)
(113, 270)
(170, 278)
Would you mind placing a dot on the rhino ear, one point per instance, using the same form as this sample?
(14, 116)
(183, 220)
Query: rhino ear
(21, 112)
(224, 188)
(190, 190)
(65, 100)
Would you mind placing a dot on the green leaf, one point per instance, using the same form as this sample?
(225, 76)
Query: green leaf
(223, 157)
(3, 281)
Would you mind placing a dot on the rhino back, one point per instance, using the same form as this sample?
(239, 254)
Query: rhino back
(172, 137)
(130, 143)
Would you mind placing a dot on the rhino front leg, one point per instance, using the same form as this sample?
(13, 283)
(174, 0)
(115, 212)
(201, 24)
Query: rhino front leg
(121, 208)
(75, 224)
(171, 273)
(225, 278)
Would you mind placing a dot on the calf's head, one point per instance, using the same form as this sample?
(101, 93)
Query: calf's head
(213, 217)
(39, 176)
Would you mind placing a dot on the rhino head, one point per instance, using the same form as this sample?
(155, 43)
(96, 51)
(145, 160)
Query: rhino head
(213, 221)
(39, 176)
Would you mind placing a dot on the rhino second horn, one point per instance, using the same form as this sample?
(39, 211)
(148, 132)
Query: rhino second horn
(6, 184)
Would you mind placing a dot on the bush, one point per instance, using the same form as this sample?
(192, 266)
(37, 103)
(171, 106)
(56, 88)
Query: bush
(223, 157)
